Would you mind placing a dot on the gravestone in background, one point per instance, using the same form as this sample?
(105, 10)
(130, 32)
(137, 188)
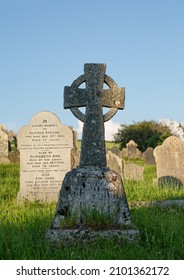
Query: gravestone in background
(115, 150)
(123, 153)
(132, 150)
(148, 156)
(45, 157)
(115, 163)
(170, 162)
(3, 142)
(133, 171)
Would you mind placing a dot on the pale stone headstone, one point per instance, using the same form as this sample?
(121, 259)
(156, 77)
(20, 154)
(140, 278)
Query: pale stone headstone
(138, 153)
(132, 150)
(114, 162)
(45, 157)
(170, 162)
(14, 156)
(148, 156)
(133, 171)
(115, 150)
(123, 153)
(92, 185)
(3, 141)
(12, 140)
(4, 160)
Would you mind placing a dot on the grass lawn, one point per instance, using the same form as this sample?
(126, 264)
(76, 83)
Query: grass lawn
(22, 227)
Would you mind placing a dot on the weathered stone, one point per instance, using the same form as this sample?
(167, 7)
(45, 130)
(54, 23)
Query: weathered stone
(45, 157)
(14, 156)
(92, 186)
(158, 203)
(3, 128)
(132, 150)
(93, 97)
(133, 171)
(75, 158)
(123, 153)
(148, 156)
(3, 141)
(88, 188)
(86, 235)
(170, 162)
(115, 163)
(4, 160)
(11, 135)
(138, 153)
(115, 150)
(12, 140)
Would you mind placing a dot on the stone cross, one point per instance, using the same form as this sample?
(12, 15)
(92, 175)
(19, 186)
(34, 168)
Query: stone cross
(94, 98)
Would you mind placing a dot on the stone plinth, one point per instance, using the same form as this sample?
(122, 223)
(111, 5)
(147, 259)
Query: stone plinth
(74, 235)
(86, 189)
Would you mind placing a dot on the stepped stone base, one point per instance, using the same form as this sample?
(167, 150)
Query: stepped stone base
(94, 191)
(67, 235)
(88, 189)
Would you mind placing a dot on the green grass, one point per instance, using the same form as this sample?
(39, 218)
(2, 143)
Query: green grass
(147, 191)
(22, 227)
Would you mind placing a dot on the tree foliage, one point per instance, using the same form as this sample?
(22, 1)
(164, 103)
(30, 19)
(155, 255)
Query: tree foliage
(145, 134)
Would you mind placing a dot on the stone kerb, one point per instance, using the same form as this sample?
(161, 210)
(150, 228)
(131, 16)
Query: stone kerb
(45, 157)
(170, 161)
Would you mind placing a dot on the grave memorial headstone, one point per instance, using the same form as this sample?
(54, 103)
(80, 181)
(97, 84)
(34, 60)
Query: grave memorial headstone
(12, 140)
(115, 163)
(45, 157)
(3, 142)
(170, 162)
(123, 153)
(132, 150)
(92, 186)
(115, 150)
(148, 156)
(133, 171)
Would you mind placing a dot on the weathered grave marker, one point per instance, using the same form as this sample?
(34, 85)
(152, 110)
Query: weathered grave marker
(92, 186)
(45, 157)
(148, 156)
(133, 171)
(3, 142)
(170, 162)
(132, 150)
(115, 150)
(115, 163)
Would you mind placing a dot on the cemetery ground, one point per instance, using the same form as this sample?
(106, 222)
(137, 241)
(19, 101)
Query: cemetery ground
(23, 226)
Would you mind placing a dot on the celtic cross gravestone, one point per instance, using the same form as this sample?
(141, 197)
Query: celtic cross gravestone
(94, 97)
(92, 186)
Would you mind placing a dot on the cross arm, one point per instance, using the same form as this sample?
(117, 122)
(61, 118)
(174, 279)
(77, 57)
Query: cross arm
(113, 99)
(74, 97)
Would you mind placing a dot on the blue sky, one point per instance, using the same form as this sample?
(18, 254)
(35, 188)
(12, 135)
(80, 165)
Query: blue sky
(45, 43)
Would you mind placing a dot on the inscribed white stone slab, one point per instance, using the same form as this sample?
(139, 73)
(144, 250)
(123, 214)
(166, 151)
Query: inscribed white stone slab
(45, 157)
